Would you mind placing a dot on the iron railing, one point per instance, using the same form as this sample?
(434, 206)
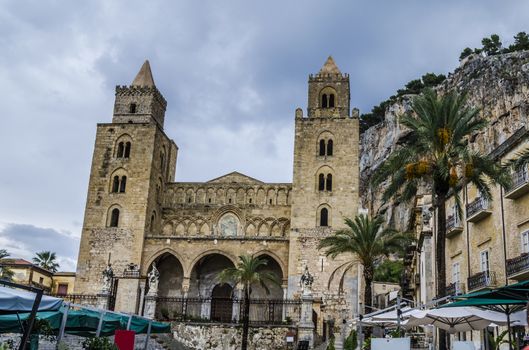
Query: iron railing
(455, 288)
(82, 299)
(518, 178)
(476, 206)
(518, 264)
(228, 310)
(453, 222)
(481, 280)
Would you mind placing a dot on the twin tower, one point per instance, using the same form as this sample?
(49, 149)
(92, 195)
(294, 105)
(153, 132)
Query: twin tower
(133, 202)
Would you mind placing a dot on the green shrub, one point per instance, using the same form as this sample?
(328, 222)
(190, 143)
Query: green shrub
(351, 343)
(330, 346)
(100, 343)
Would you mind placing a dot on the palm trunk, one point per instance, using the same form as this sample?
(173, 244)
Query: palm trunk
(440, 258)
(368, 291)
(245, 319)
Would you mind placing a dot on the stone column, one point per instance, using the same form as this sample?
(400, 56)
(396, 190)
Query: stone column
(305, 325)
(237, 303)
(103, 300)
(185, 292)
(285, 294)
(150, 306)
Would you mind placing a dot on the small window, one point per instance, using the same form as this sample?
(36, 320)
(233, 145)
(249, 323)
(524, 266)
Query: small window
(115, 184)
(209, 200)
(229, 200)
(62, 289)
(322, 147)
(127, 150)
(41, 280)
(250, 201)
(162, 161)
(328, 183)
(324, 102)
(121, 149)
(189, 200)
(324, 217)
(329, 147)
(321, 182)
(123, 184)
(270, 201)
(456, 273)
(114, 218)
(132, 108)
(152, 222)
(525, 242)
(484, 260)
(331, 101)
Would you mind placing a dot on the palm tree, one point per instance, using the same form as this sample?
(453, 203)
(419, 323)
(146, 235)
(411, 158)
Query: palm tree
(5, 272)
(368, 242)
(47, 260)
(245, 274)
(436, 154)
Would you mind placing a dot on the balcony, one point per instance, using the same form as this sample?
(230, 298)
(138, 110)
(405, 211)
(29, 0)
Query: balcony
(453, 226)
(455, 288)
(481, 280)
(518, 268)
(478, 209)
(520, 184)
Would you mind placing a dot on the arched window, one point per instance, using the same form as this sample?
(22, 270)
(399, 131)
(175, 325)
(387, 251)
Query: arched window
(324, 217)
(152, 222)
(123, 184)
(162, 161)
(331, 101)
(132, 108)
(127, 150)
(114, 218)
(324, 102)
(121, 148)
(322, 147)
(321, 182)
(328, 183)
(329, 147)
(115, 184)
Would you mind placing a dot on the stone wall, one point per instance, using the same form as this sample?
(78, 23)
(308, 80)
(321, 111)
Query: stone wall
(220, 337)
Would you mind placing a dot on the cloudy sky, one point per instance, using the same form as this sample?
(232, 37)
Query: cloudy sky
(233, 73)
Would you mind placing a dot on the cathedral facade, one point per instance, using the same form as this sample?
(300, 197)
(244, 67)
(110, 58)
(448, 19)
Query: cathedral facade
(138, 216)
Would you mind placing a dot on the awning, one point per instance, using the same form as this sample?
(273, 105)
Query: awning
(14, 300)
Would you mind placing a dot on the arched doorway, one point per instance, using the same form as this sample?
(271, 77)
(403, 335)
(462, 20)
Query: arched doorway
(274, 290)
(221, 303)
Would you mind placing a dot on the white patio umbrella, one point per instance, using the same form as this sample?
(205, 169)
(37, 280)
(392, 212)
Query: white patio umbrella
(389, 318)
(456, 319)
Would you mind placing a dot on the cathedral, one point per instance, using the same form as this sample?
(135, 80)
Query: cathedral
(138, 216)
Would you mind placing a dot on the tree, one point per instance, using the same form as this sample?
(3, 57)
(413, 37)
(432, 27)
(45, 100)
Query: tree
(47, 260)
(5, 272)
(432, 79)
(437, 155)
(247, 273)
(389, 271)
(492, 45)
(465, 53)
(521, 42)
(368, 242)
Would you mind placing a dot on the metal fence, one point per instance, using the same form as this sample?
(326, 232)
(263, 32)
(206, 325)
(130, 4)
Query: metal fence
(81, 299)
(227, 310)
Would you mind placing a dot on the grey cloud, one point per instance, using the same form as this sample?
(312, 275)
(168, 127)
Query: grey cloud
(233, 73)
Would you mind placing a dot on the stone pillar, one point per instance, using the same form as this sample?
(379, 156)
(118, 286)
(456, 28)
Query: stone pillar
(150, 306)
(306, 326)
(103, 301)
(185, 292)
(237, 304)
(285, 295)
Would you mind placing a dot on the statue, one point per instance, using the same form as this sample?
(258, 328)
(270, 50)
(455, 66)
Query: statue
(108, 275)
(153, 278)
(306, 281)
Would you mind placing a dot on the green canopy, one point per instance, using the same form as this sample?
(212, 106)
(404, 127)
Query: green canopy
(480, 302)
(12, 323)
(84, 322)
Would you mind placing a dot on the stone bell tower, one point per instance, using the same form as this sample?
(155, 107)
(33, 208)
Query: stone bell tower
(325, 181)
(133, 160)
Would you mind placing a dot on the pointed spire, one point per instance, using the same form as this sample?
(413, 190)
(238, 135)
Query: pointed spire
(144, 76)
(330, 67)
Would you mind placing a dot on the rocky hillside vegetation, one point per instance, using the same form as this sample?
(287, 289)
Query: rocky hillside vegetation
(497, 84)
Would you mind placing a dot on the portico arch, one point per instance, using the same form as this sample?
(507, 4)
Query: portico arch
(204, 273)
(171, 275)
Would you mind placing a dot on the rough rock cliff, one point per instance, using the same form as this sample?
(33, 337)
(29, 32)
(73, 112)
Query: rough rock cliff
(497, 85)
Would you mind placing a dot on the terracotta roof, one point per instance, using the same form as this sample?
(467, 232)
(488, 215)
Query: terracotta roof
(16, 262)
